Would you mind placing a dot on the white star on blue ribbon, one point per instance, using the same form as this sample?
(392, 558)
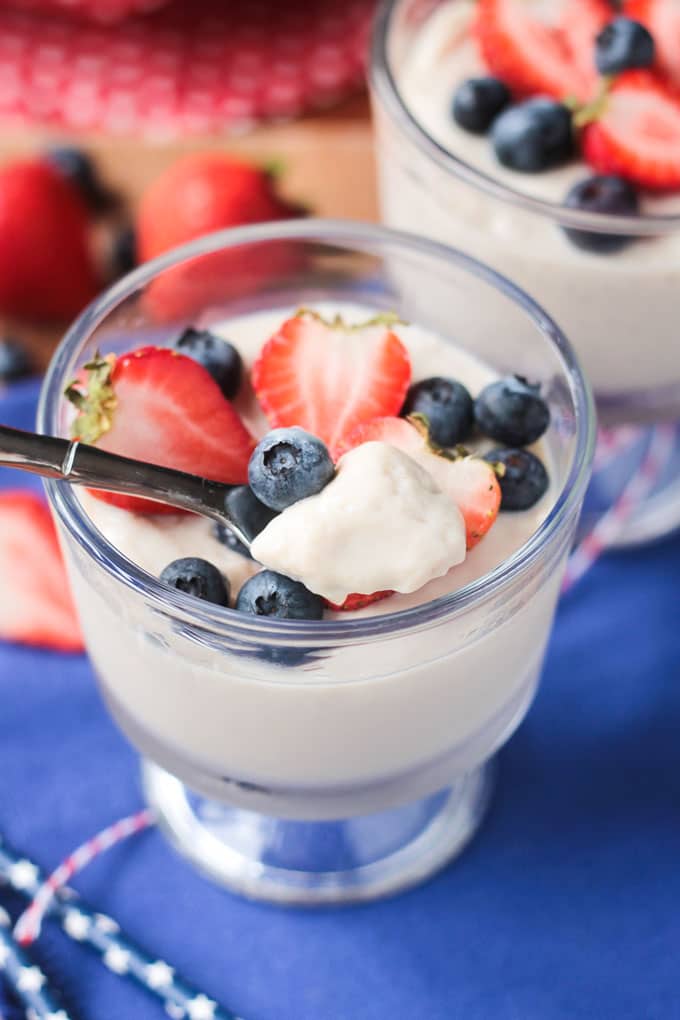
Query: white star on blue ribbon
(117, 959)
(76, 925)
(24, 876)
(30, 979)
(201, 1008)
(159, 974)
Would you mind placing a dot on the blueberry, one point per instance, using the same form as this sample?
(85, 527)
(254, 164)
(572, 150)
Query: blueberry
(512, 411)
(123, 257)
(248, 513)
(523, 481)
(622, 45)
(272, 594)
(533, 135)
(217, 356)
(76, 166)
(602, 194)
(198, 578)
(14, 361)
(477, 103)
(446, 404)
(289, 465)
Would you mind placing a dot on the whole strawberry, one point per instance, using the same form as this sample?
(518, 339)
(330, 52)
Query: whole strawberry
(47, 271)
(202, 193)
(198, 195)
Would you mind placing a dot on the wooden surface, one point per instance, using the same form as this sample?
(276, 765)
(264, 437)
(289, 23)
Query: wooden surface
(327, 164)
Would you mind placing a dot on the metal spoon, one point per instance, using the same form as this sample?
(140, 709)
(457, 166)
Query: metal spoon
(79, 464)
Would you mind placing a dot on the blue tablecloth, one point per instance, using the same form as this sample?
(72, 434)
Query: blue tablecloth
(567, 904)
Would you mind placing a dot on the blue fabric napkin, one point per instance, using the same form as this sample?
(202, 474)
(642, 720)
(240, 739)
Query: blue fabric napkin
(565, 906)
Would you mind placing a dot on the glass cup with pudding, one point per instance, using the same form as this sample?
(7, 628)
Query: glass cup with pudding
(342, 752)
(602, 257)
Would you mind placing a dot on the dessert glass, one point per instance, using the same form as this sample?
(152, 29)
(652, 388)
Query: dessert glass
(335, 760)
(620, 311)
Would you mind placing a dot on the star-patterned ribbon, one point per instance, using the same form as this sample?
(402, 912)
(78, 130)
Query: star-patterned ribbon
(118, 953)
(25, 978)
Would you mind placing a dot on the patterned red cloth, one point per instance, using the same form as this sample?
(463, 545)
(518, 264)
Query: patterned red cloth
(105, 12)
(192, 67)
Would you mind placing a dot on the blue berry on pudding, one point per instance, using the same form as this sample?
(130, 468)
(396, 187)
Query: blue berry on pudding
(288, 465)
(622, 45)
(14, 361)
(534, 135)
(477, 103)
(512, 411)
(446, 404)
(271, 594)
(248, 513)
(523, 478)
(603, 193)
(218, 357)
(197, 577)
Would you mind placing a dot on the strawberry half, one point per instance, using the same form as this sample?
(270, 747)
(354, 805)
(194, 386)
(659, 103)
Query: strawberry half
(469, 481)
(35, 601)
(662, 18)
(328, 377)
(638, 134)
(157, 405)
(533, 55)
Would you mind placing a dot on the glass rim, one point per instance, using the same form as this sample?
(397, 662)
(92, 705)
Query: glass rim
(356, 237)
(385, 88)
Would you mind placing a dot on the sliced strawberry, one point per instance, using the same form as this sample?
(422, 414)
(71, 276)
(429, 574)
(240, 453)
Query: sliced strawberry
(328, 377)
(662, 18)
(638, 134)
(160, 406)
(35, 601)
(470, 481)
(356, 601)
(581, 21)
(532, 54)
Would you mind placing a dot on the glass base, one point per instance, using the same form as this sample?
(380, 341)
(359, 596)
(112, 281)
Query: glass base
(317, 863)
(658, 511)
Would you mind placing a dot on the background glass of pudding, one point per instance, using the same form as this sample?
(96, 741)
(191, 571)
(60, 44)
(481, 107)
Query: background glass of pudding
(620, 310)
(343, 759)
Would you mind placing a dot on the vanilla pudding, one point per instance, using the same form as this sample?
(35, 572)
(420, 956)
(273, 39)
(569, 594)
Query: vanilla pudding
(619, 309)
(255, 730)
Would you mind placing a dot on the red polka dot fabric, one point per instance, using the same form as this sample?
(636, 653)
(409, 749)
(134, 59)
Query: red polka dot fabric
(192, 67)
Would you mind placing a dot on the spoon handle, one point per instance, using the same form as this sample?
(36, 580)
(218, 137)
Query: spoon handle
(80, 464)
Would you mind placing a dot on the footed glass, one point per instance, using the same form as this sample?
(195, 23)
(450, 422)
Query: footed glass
(336, 760)
(619, 310)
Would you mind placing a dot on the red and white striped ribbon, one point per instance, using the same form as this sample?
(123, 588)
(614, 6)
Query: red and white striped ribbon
(29, 923)
(610, 526)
